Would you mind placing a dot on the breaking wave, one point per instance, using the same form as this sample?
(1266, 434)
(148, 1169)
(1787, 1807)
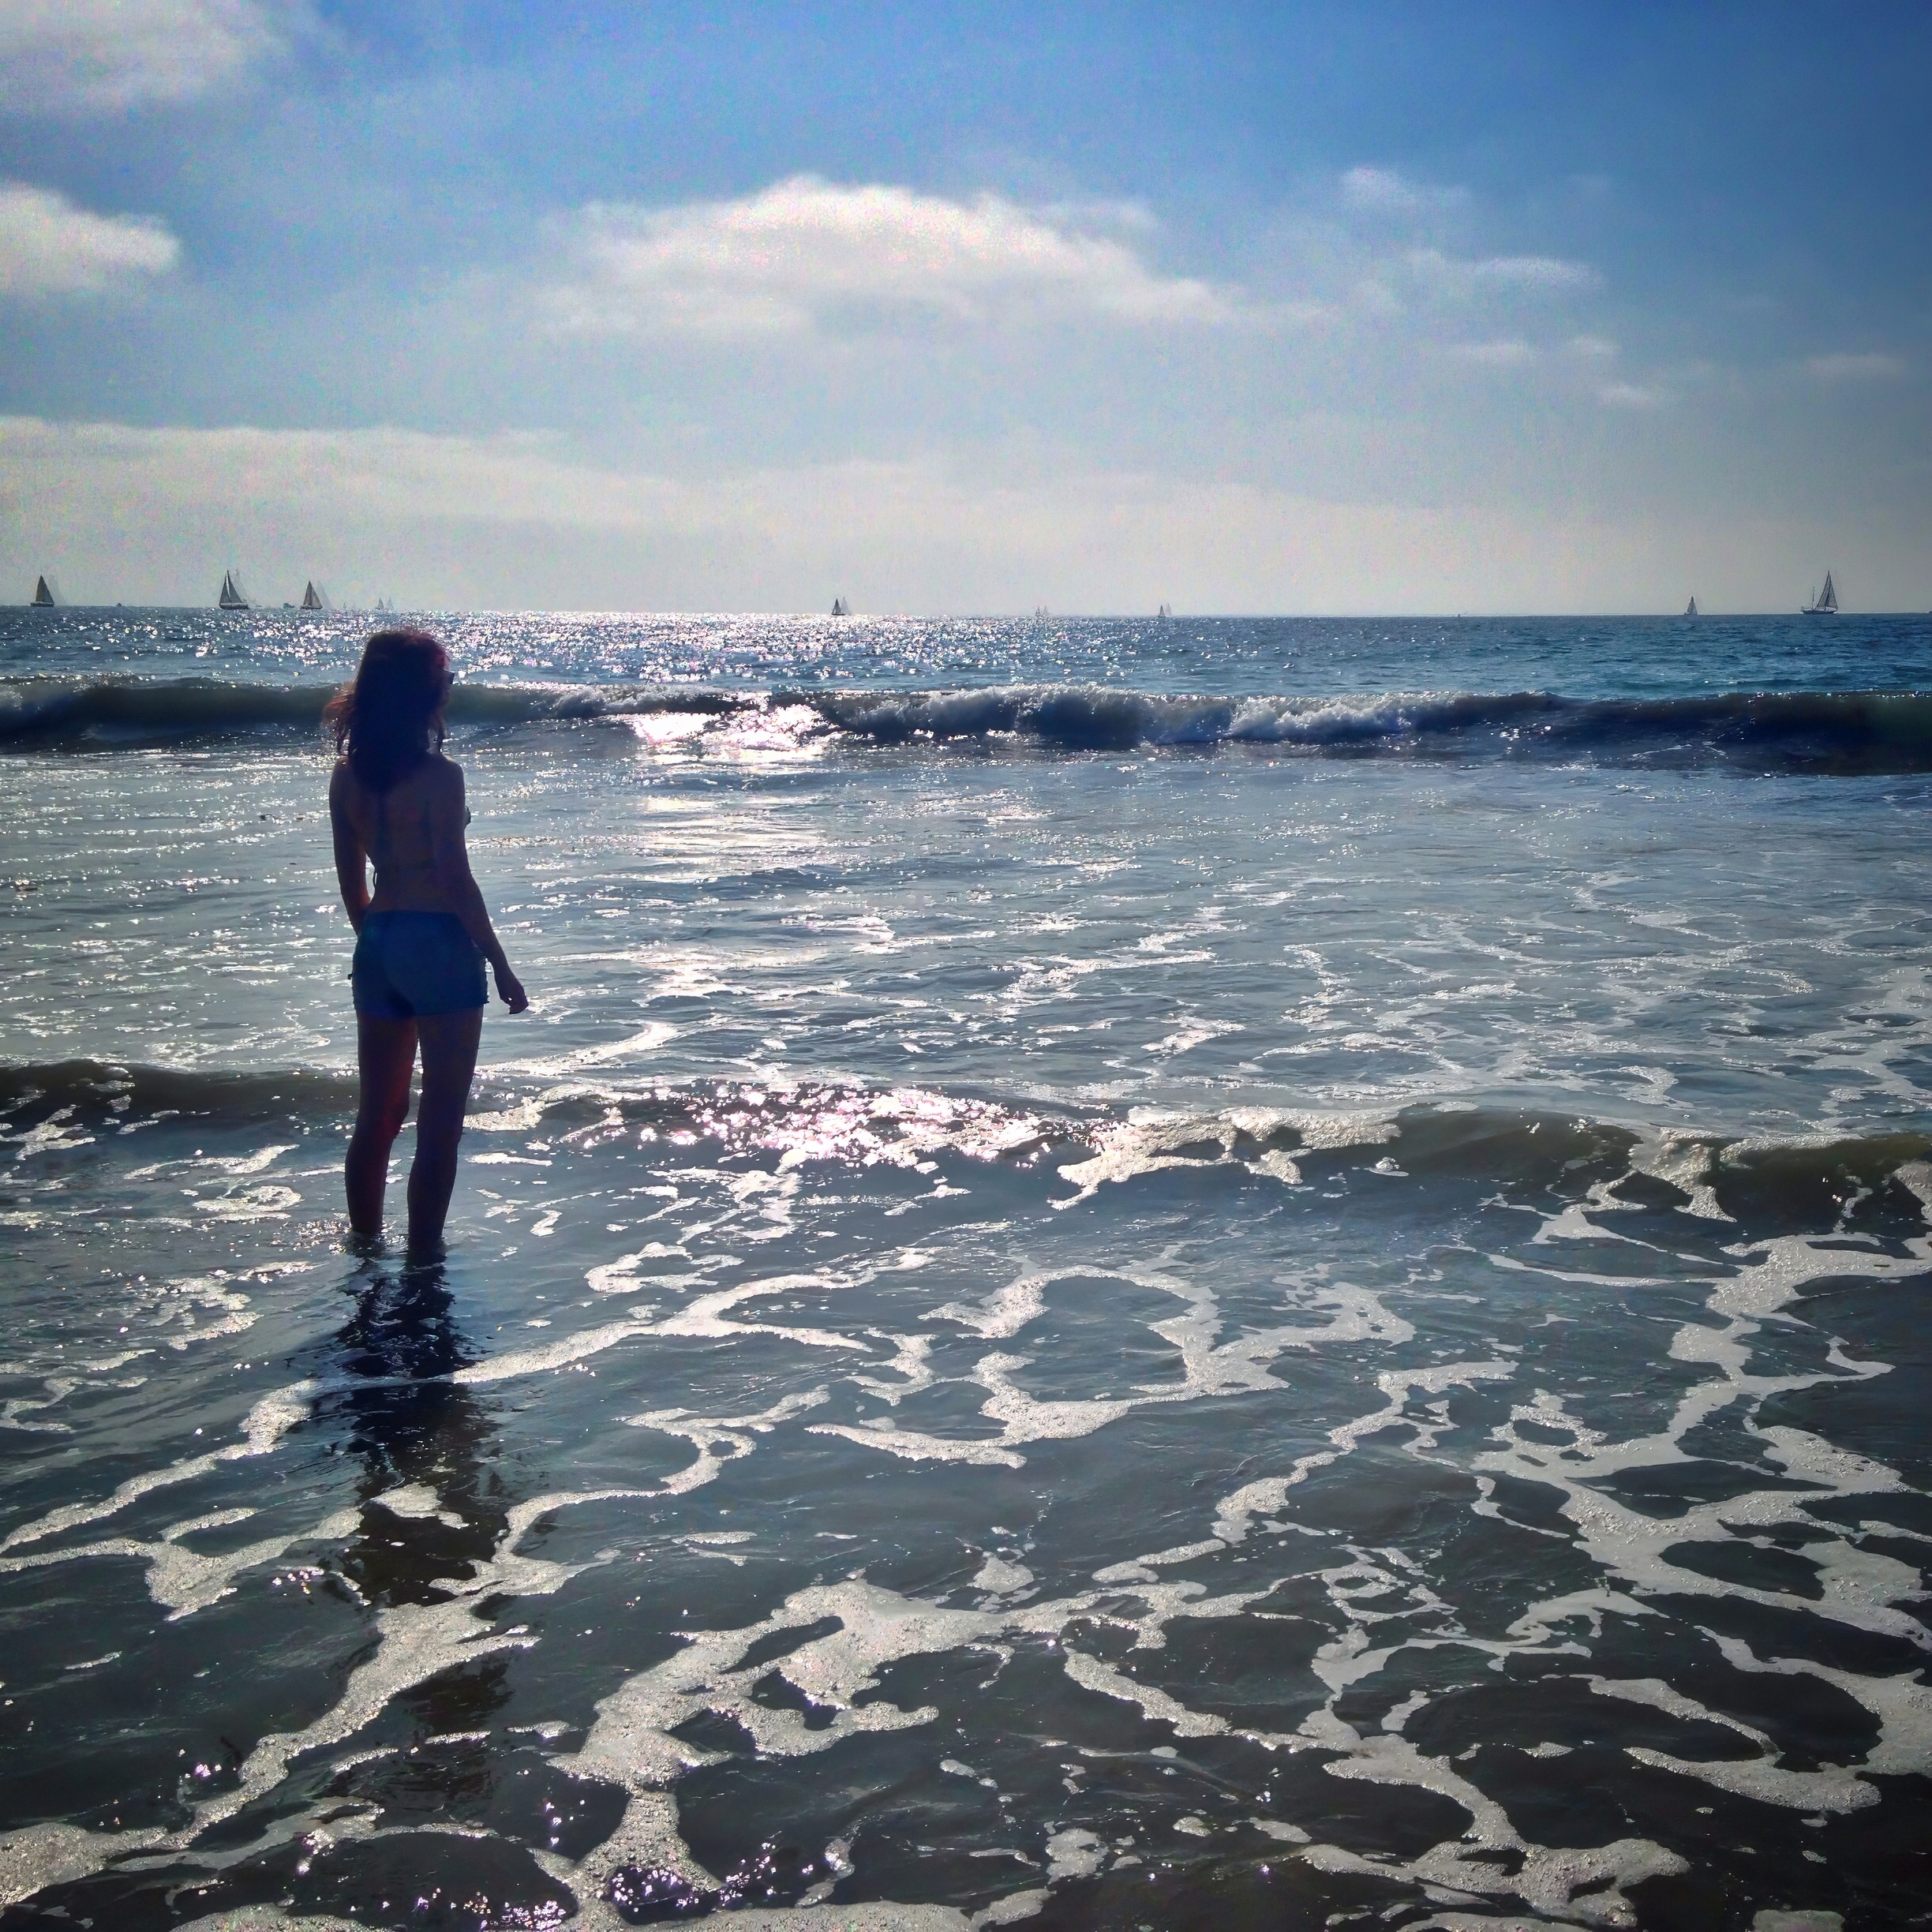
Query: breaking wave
(1820, 731)
(64, 709)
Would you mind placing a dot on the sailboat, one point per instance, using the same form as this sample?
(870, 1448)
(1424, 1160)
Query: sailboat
(232, 596)
(841, 608)
(1825, 603)
(1690, 609)
(312, 599)
(43, 596)
(1167, 613)
(1039, 613)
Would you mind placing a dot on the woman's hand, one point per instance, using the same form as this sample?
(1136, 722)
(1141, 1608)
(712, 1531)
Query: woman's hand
(510, 990)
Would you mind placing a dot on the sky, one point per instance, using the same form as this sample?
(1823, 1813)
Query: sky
(1365, 308)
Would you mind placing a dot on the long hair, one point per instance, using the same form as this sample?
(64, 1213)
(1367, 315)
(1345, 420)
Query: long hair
(386, 719)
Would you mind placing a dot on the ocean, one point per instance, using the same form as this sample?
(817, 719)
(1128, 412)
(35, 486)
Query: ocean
(1224, 1274)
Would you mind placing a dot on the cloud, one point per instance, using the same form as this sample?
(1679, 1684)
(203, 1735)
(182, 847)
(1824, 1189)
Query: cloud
(1451, 277)
(1629, 395)
(808, 255)
(1508, 354)
(1385, 190)
(1871, 368)
(60, 55)
(1531, 271)
(527, 522)
(48, 246)
(1594, 348)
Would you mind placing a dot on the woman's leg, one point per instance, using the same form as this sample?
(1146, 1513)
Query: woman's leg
(385, 1052)
(449, 1052)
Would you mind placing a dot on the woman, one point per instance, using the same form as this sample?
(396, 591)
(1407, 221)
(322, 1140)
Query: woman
(422, 936)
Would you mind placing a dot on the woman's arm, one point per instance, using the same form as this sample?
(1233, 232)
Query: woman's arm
(452, 854)
(351, 861)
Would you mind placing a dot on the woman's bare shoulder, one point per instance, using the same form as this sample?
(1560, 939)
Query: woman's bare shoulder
(444, 774)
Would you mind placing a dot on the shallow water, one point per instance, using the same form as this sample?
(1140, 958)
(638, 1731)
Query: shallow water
(1190, 1295)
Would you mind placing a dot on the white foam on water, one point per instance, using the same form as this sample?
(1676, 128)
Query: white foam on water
(636, 1045)
(1588, 1887)
(415, 1643)
(1902, 1705)
(1915, 1177)
(719, 1440)
(1859, 1588)
(183, 1581)
(1561, 1885)
(1013, 1909)
(1149, 1141)
(1073, 1853)
(52, 1136)
(621, 1277)
(1007, 1310)
(1685, 1160)
(1236, 1512)
(630, 1743)
(417, 1502)
(566, 1352)
(704, 1316)
(1153, 1703)
(1210, 1367)
(39, 1855)
(269, 1919)
(263, 1426)
(1001, 1577)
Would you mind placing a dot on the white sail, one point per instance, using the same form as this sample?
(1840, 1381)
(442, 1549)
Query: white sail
(1167, 612)
(233, 597)
(841, 608)
(1826, 603)
(313, 599)
(43, 596)
(1690, 609)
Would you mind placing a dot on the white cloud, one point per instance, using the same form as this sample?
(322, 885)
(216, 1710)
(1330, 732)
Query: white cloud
(48, 246)
(1629, 395)
(1870, 367)
(1539, 271)
(1385, 190)
(1511, 354)
(59, 55)
(807, 254)
(1539, 274)
(1594, 348)
(523, 522)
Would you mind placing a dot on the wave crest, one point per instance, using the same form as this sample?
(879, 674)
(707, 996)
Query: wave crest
(1821, 730)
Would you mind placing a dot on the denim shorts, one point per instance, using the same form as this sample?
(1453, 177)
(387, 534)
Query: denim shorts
(410, 965)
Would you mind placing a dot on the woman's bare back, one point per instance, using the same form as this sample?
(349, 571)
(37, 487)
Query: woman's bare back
(410, 832)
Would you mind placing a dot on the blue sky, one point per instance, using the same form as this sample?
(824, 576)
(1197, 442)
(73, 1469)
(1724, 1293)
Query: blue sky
(1361, 308)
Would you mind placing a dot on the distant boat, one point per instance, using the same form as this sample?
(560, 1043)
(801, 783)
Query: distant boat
(1690, 609)
(232, 596)
(43, 596)
(1825, 603)
(1039, 613)
(1167, 613)
(312, 599)
(841, 608)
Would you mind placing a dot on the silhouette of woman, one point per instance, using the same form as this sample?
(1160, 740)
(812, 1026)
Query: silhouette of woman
(422, 935)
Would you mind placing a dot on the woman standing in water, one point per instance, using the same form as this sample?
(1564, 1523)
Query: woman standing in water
(421, 937)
